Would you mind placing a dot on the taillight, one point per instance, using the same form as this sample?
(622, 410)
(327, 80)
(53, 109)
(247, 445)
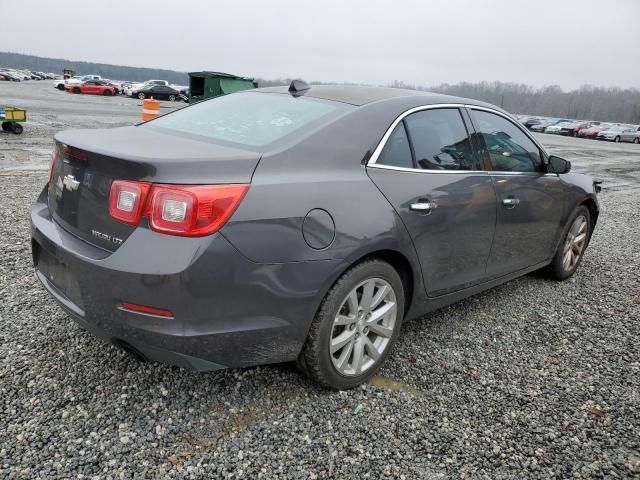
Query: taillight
(127, 200)
(186, 210)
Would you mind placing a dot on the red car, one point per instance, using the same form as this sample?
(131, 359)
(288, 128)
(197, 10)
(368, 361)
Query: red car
(592, 132)
(96, 87)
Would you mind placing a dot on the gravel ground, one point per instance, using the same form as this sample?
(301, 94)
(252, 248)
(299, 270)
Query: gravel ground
(533, 379)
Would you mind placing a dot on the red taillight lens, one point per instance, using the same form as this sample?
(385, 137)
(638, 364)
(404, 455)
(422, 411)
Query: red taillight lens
(127, 200)
(134, 307)
(186, 210)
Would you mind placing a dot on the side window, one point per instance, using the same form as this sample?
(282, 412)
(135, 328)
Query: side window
(508, 149)
(440, 140)
(396, 151)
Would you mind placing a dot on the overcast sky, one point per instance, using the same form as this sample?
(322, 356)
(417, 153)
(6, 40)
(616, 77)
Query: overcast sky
(541, 42)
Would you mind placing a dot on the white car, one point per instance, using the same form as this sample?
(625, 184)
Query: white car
(557, 128)
(60, 83)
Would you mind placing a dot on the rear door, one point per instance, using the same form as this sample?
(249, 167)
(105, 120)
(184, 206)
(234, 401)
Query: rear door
(428, 172)
(530, 202)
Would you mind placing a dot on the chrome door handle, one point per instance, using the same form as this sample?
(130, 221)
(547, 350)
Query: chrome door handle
(423, 206)
(510, 202)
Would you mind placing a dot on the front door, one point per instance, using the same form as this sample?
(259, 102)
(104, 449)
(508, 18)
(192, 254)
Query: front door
(428, 171)
(530, 202)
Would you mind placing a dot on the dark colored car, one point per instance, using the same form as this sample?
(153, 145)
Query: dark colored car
(530, 122)
(306, 224)
(159, 92)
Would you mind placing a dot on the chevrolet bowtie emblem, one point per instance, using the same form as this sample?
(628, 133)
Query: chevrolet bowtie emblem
(70, 183)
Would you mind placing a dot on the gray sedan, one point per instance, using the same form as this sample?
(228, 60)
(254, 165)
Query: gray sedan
(299, 224)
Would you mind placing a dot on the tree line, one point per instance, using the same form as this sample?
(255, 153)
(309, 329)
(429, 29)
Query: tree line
(611, 104)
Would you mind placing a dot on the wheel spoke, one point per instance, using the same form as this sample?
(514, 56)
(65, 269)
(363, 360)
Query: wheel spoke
(341, 340)
(344, 319)
(580, 238)
(379, 313)
(344, 356)
(381, 330)
(352, 301)
(367, 295)
(358, 355)
(567, 259)
(380, 294)
(372, 351)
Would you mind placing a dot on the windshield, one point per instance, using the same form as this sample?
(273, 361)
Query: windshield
(250, 119)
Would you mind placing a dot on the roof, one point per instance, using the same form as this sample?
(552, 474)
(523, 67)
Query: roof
(218, 74)
(358, 95)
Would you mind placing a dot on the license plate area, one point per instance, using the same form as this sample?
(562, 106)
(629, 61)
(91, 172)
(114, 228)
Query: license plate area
(58, 273)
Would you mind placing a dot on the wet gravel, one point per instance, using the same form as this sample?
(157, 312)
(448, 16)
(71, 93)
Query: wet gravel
(534, 379)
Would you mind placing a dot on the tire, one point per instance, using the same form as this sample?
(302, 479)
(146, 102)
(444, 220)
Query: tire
(60, 87)
(636, 140)
(76, 90)
(16, 128)
(141, 96)
(617, 139)
(558, 269)
(316, 358)
(172, 98)
(6, 126)
(107, 93)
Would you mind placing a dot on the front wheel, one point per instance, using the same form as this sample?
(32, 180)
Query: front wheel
(16, 128)
(6, 126)
(574, 243)
(60, 87)
(76, 90)
(172, 98)
(617, 139)
(355, 327)
(636, 140)
(107, 93)
(141, 96)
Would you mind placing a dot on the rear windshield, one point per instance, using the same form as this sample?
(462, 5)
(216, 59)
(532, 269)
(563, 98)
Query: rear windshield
(249, 118)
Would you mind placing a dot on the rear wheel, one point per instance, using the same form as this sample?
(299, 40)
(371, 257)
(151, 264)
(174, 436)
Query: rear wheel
(141, 96)
(60, 87)
(6, 126)
(617, 139)
(107, 93)
(355, 327)
(574, 243)
(172, 98)
(76, 90)
(636, 140)
(16, 128)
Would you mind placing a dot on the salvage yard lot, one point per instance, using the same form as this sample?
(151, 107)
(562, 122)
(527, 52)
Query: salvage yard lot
(531, 379)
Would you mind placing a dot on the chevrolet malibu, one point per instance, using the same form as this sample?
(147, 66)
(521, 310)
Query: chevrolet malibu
(299, 224)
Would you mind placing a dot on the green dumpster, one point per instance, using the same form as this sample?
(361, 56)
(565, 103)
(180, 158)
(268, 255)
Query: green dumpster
(204, 85)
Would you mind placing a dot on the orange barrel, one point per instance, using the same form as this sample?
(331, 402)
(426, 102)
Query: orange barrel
(150, 109)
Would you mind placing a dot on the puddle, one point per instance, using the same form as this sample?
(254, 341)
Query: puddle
(391, 384)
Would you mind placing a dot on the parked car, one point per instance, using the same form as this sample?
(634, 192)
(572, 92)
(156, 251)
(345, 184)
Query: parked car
(542, 126)
(94, 87)
(614, 134)
(592, 131)
(233, 232)
(159, 92)
(11, 76)
(530, 122)
(630, 134)
(60, 84)
(561, 128)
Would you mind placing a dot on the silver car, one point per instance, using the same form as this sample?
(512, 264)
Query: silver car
(620, 134)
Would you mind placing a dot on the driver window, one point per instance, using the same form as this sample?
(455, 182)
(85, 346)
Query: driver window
(440, 140)
(507, 148)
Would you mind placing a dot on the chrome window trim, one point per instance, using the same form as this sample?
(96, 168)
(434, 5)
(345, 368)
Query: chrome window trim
(378, 150)
(519, 127)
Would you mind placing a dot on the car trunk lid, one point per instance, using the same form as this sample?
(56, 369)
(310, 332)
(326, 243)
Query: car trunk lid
(87, 161)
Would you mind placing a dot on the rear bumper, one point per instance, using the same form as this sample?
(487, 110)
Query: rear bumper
(228, 311)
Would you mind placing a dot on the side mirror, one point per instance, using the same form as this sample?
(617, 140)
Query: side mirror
(558, 165)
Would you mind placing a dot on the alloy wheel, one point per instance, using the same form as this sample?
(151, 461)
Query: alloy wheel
(363, 327)
(574, 243)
